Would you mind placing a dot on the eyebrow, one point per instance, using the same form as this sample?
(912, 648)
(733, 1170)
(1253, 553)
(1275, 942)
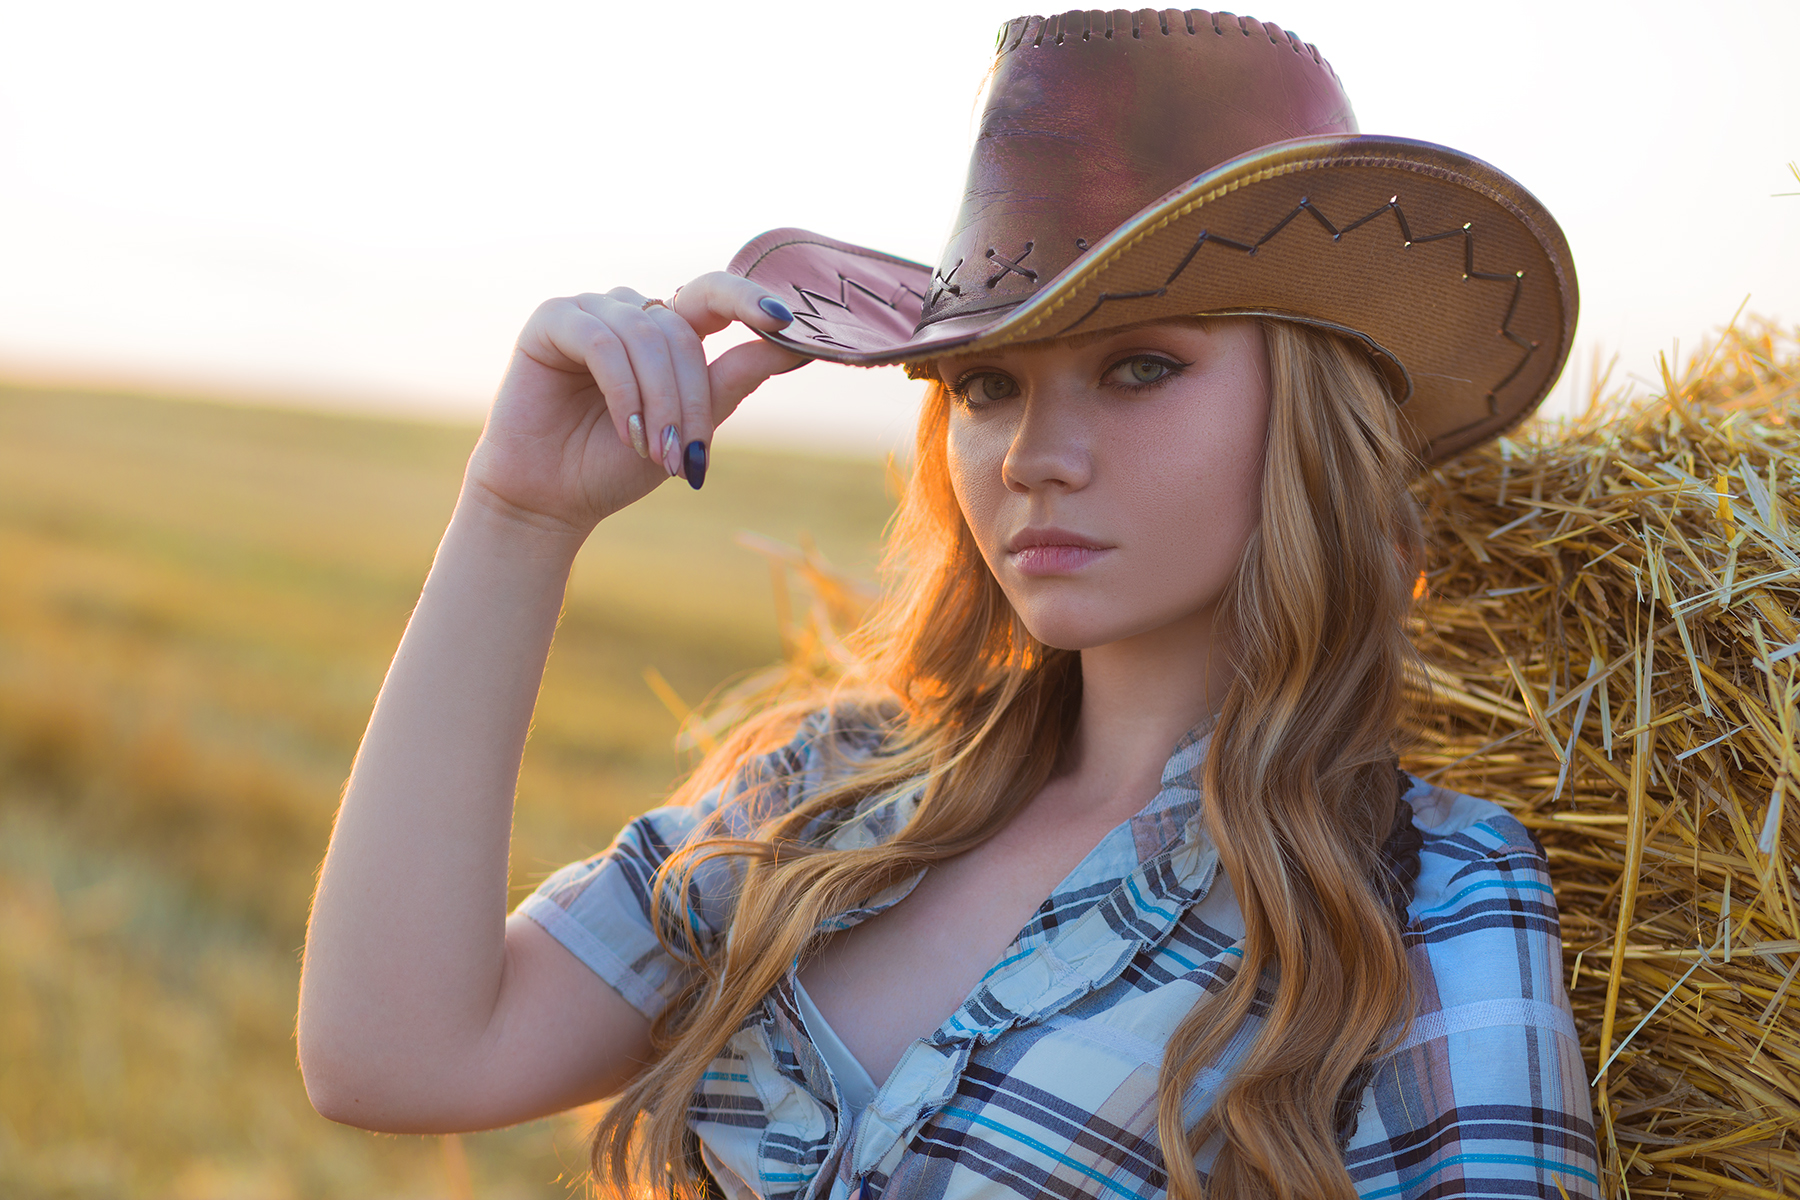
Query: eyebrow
(1074, 341)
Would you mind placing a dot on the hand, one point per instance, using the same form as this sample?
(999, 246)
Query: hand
(557, 450)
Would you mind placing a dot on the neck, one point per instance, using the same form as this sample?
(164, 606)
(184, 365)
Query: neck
(1139, 697)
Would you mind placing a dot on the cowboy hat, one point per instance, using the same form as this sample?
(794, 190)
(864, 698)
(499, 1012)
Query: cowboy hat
(1137, 165)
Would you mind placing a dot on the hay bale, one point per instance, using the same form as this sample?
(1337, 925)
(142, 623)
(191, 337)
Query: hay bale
(1611, 622)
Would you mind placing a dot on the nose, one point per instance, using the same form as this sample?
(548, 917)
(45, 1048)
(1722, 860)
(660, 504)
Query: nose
(1050, 445)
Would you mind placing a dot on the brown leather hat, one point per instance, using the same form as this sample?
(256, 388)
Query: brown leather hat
(1135, 165)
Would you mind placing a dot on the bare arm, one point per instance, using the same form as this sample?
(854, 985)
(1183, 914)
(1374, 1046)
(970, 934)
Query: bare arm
(423, 1008)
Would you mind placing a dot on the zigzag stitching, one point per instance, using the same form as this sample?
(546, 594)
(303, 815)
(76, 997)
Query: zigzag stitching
(845, 283)
(1466, 231)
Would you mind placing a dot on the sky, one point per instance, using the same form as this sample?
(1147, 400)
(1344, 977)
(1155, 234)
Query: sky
(358, 204)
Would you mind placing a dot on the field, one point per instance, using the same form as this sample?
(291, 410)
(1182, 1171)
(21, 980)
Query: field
(197, 602)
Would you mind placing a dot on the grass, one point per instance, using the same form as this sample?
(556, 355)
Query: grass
(197, 603)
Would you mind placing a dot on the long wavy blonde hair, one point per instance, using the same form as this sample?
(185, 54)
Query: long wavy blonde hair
(1299, 789)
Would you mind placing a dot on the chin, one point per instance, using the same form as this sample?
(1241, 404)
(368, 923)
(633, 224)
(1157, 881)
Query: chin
(1063, 630)
(1068, 623)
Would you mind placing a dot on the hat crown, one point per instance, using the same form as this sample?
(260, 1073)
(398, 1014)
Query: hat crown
(1092, 115)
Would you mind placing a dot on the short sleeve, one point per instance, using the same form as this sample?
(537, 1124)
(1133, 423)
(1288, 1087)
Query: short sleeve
(1487, 1094)
(601, 908)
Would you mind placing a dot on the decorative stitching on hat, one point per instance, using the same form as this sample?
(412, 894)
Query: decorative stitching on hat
(1021, 31)
(941, 284)
(812, 300)
(1407, 240)
(1008, 266)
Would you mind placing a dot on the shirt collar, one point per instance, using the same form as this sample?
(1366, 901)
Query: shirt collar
(1171, 821)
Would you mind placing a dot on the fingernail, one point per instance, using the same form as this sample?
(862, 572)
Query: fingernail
(775, 308)
(696, 464)
(671, 451)
(634, 425)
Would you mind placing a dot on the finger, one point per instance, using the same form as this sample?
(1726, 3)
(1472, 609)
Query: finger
(658, 394)
(742, 369)
(688, 357)
(651, 359)
(716, 299)
(566, 337)
(589, 342)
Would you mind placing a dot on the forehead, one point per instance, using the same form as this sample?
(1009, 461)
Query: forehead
(1074, 341)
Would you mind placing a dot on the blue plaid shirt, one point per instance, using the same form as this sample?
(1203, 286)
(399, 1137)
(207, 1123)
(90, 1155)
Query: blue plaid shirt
(1044, 1082)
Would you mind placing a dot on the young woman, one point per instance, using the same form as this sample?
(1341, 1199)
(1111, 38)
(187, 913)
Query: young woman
(1095, 874)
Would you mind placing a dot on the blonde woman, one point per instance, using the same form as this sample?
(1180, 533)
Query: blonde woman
(1095, 874)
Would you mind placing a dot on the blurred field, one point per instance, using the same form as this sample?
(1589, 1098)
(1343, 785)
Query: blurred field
(196, 606)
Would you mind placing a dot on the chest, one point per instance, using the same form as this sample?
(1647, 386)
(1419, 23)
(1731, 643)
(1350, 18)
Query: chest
(1056, 1044)
(897, 976)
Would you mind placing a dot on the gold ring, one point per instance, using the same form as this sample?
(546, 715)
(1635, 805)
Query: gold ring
(650, 304)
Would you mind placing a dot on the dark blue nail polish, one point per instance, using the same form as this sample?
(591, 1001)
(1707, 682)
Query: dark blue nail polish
(695, 462)
(775, 308)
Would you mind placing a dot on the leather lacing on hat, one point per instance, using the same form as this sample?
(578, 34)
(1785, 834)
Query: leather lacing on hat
(1081, 25)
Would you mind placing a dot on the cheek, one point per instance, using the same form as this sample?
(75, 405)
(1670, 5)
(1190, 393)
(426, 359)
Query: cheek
(1194, 479)
(974, 456)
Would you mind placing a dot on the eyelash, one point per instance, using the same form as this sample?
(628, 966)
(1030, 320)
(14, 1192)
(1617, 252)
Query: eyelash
(1175, 368)
(959, 390)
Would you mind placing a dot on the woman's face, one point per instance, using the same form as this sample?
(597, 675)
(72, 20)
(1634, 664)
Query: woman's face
(1112, 481)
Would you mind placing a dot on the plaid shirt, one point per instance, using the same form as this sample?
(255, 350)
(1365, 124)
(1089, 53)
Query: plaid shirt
(1044, 1082)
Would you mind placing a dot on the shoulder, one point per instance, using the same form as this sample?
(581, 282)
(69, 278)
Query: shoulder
(1475, 854)
(606, 909)
(1483, 934)
(827, 743)
(762, 785)
(827, 746)
(1485, 1092)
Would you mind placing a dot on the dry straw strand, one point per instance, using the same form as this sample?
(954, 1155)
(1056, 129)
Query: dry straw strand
(1627, 683)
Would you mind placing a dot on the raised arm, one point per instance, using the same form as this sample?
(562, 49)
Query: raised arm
(422, 1007)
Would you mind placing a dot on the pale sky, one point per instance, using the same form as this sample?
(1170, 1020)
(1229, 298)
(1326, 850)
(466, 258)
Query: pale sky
(358, 204)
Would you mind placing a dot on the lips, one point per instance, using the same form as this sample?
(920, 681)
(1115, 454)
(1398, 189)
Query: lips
(1047, 550)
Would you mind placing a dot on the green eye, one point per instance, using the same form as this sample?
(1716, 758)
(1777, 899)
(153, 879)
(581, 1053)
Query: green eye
(985, 387)
(1146, 370)
(1142, 371)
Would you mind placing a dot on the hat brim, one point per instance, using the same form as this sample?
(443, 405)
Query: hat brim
(1452, 274)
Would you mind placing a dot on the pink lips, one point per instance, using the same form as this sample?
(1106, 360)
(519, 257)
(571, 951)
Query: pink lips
(1046, 550)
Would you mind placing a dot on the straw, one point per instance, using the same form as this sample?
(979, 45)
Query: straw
(1623, 674)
